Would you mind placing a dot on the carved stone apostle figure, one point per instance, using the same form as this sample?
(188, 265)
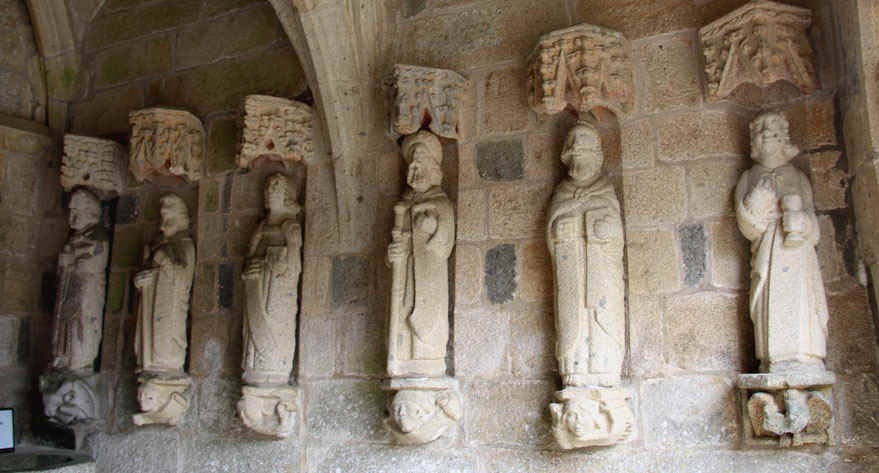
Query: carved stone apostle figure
(271, 281)
(775, 212)
(160, 340)
(82, 282)
(585, 241)
(788, 402)
(423, 238)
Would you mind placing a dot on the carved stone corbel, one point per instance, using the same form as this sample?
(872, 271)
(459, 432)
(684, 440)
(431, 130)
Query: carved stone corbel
(94, 163)
(162, 399)
(277, 129)
(760, 44)
(166, 142)
(269, 410)
(583, 66)
(424, 96)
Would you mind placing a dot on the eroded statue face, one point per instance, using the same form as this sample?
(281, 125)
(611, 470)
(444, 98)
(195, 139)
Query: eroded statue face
(149, 397)
(423, 172)
(770, 141)
(85, 211)
(410, 410)
(277, 190)
(583, 154)
(584, 418)
(174, 215)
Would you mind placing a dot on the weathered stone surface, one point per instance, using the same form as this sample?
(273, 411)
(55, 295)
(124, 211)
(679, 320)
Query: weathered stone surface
(759, 44)
(350, 280)
(711, 185)
(166, 142)
(512, 412)
(136, 451)
(472, 214)
(107, 112)
(812, 123)
(829, 181)
(517, 211)
(695, 253)
(535, 275)
(255, 456)
(500, 273)
(317, 346)
(671, 67)
(653, 262)
(730, 255)
(9, 338)
(92, 162)
(689, 411)
(646, 335)
(500, 160)
(217, 397)
(222, 140)
(276, 129)
(830, 258)
(345, 410)
(638, 144)
(482, 343)
(364, 341)
(227, 36)
(369, 459)
(655, 197)
(707, 332)
(468, 275)
(694, 135)
(129, 61)
(584, 66)
(316, 285)
(116, 27)
(857, 395)
(504, 107)
(532, 343)
(425, 93)
(850, 328)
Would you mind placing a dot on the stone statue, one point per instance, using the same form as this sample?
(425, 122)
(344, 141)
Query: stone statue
(426, 404)
(82, 283)
(788, 307)
(585, 241)
(423, 237)
(68, 399)
(271, 282)
(160, 340)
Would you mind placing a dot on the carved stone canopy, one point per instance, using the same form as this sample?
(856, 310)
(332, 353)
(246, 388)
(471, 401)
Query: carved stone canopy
(761, 44)
(166, 142)
(92, 162)
(426, 96)
(584, 66)
(275, 128)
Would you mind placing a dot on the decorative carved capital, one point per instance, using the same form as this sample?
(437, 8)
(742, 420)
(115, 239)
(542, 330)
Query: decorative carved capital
(584, 66)
(92, 162)
(761, 43)
(423, 409)
(269, 410)
(162, 400)
(166, 142)
(426, 96)
(589, 417)
(277, 129)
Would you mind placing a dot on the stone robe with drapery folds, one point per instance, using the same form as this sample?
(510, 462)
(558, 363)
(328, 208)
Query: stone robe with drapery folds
(417, 339)
(585, 240)
(272, 304)
(788, 305)
(79, 310)
(164, 306)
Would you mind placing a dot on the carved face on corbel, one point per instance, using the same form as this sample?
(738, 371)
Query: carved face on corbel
(423, 152)
(72, 402)
(151, 397)
(85, 210)
(410, 410)
(582, 153)
(175, 215)
(770, 140)
(419, 417)
(583, 418)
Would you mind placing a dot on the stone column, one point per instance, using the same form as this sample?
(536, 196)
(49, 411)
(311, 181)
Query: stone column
(275, 130)
(427, 403)
(588, 69)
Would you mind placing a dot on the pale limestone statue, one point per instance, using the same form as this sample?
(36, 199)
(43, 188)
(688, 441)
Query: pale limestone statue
(423, 237)
(585, 241)
(271, 282)
(761, 43)
(166, 142)
(788, 307)
(160, 339)
(275, 129)
(82, 282)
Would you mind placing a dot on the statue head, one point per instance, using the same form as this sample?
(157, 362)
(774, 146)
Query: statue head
(280, 194)
(411, 409)
(85, 210)
(70, 402)
(175, 215)
(770, 140)
(151, 397)
(584, 418)
(423, 153)
(582, 153)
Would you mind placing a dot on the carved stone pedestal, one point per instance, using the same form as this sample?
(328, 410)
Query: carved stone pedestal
(590, 417)
(163, 400)
(70, 398)
(787, 409)
(269, 410)
(423, 409)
